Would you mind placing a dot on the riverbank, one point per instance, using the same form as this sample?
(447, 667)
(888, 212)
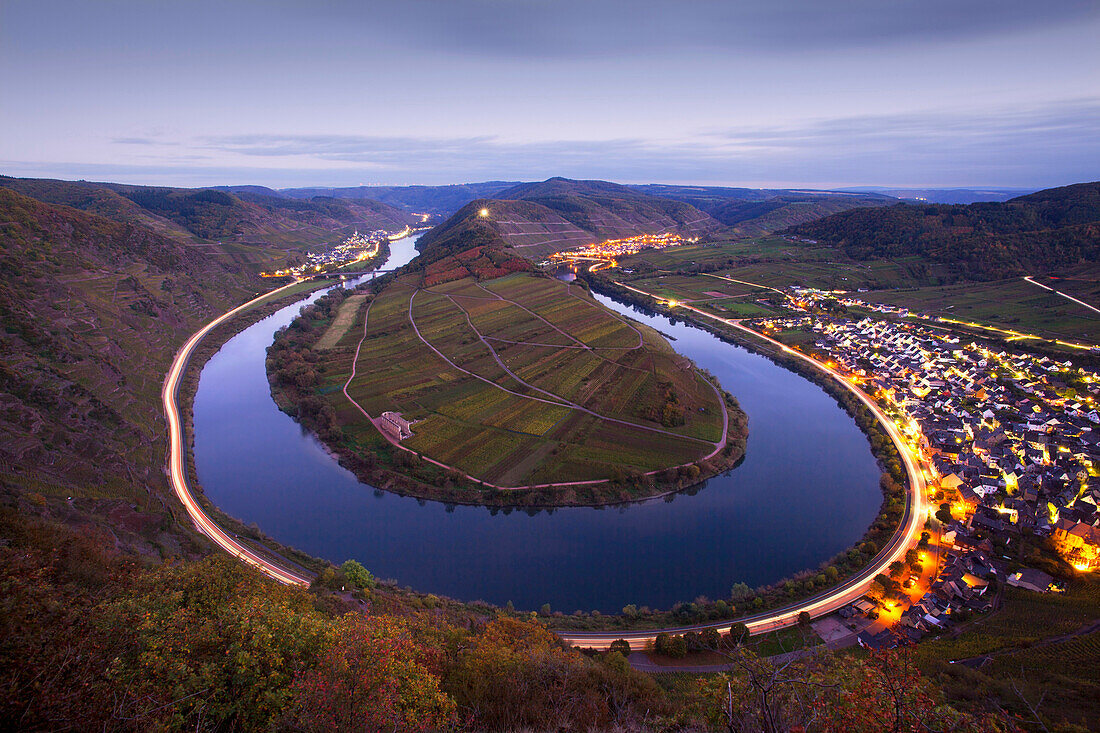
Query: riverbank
(283, 555)
(392, 467)
(792, 593)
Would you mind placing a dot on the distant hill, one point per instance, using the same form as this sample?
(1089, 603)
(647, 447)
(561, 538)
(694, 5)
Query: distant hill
(537, 219)
(753, 218)
(253, 215)
(439, 200)
(788, 206)
(93, 310)
(609, 210)
(750, 212)
(945, 195)
(1039, 232)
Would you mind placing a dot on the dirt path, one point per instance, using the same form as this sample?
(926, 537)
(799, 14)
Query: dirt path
(562, 401)
(345, 316)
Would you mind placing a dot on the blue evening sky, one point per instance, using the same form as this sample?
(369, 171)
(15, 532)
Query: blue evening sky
(740, 92)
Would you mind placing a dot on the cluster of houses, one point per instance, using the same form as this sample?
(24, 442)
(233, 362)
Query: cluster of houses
(1013, 440)
(355, 248)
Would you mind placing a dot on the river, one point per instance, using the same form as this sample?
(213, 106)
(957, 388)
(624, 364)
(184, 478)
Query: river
(807, 489)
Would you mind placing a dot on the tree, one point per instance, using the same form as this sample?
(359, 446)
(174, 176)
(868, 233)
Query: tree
(739, 634)
(897, 567)
(740, 591)
(544, 610)
(622, 646)
(804, 619)
(944, 513)
(359, 576)
(677, 647)
(374, 676)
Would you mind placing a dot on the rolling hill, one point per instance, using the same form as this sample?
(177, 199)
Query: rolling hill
(609, 210)
(438, 200)
(251, 216)
(537, 219)
(749, 212)
(1039, 232)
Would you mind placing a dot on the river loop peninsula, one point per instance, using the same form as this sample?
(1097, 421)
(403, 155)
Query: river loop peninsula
(808, 472)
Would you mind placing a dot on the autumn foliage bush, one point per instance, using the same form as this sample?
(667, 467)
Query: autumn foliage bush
(90, 640)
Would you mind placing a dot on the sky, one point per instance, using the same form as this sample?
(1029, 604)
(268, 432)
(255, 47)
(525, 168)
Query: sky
(771, 93)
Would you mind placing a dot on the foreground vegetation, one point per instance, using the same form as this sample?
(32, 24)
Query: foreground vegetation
(92, 639)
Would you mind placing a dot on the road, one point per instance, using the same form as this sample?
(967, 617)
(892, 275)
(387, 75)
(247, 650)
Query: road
(833, 598)
(821, 604)
(177, 473)
(1059, 292)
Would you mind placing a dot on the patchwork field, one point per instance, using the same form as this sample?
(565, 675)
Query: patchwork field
(520, 381)
(687, 274)
(1014, 304)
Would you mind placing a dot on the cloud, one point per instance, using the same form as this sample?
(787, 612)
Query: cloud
(595, 28)
(1011, 146)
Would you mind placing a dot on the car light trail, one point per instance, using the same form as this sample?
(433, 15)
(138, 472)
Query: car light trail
(177, 474)
(835, 598)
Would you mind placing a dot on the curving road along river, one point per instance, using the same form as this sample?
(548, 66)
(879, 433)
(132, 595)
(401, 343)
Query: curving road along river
(818, 605)
(833, 598)
(177, 474)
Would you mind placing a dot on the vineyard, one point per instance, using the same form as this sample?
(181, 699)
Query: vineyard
(518, 380)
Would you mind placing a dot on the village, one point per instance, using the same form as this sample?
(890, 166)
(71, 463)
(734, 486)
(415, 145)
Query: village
(356, 248)
(1012, 443)
(604, 254)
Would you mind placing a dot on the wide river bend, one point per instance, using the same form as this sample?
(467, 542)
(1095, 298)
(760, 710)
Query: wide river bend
(807, 489)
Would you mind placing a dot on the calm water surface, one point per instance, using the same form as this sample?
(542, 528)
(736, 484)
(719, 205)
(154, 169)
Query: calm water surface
(807, 489)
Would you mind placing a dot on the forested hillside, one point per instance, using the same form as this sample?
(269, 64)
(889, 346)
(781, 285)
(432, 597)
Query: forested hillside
(440, 200)
(609, 210)
(93, 311)
(1039, 232)
(250, 216)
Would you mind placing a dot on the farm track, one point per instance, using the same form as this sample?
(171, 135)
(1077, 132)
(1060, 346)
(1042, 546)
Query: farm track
(563, 401)
(717, 446)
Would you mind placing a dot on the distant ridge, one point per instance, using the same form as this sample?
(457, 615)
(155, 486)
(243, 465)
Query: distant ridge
(248, 214)
(438, 200)
(537, 219)
(1035, 233)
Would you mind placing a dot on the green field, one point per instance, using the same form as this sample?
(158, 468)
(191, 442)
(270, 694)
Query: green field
(777, 262)
(340, 325)
(582, 394)
(1011, 304)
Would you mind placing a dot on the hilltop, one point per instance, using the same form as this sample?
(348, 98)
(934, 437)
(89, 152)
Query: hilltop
(1039, 232)
(534, 220)
(610, 210)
